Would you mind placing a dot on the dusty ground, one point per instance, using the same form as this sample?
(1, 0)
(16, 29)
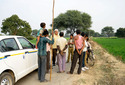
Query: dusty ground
(105, 64)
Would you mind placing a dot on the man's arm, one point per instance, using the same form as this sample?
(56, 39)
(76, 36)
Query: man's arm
(58, 48)
(75, 38)
(68, 42)
(65, 47)
(50, 41)
(38, 38)
(82, 46)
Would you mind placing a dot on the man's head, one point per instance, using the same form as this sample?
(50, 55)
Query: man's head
(71, 36)
(61, 34)
(87, 39)
(83, 34)
(45, 33)
(78, 32)
(56, 31)
(43, 25)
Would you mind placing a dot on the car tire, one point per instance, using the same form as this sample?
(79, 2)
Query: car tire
(6, 79)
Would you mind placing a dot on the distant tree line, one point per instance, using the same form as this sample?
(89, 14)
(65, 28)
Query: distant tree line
(107, 31)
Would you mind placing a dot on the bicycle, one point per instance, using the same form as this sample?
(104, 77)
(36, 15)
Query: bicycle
(90, 57)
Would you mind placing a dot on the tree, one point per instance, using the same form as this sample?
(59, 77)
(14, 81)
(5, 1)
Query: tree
(72, 20)
(15, 26)
(97, 34)
(107, 31)
(91, 32)
(50, 31)
(34, 32)
(120, 32)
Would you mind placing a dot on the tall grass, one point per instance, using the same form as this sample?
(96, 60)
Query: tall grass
(115, 46)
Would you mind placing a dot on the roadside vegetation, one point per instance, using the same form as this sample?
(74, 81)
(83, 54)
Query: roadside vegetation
(114, 46)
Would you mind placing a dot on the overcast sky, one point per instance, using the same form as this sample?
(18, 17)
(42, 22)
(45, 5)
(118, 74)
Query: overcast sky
(103, 12)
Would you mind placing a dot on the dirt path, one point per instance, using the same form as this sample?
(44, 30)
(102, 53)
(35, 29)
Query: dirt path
(105, 65)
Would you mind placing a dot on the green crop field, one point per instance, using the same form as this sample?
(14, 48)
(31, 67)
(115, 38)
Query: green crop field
(114, 46)
(34, 40)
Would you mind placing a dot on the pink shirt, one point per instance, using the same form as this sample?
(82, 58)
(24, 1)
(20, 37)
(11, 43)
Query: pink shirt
(47, 45)
(79, 42)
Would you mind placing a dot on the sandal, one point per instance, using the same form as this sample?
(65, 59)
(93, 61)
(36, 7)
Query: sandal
(68, 72)
(63, 71)
(59, 71)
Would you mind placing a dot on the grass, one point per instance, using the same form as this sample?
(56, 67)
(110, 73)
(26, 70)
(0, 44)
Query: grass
(114, 46)
(33, 41)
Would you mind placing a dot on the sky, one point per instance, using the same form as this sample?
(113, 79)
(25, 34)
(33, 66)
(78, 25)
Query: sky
(103, 12)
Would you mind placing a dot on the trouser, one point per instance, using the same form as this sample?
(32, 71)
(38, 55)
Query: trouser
(48, 61)
(61, 61)
(84, 59)
(74, 61)
(70, 51)
(54, 55)
(41, 67)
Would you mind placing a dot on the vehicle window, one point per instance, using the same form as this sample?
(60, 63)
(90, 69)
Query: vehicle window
(3, 48)
(11, 44)
(25, 43)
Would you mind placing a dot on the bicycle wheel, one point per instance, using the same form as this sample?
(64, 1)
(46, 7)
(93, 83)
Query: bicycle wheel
(91, 60)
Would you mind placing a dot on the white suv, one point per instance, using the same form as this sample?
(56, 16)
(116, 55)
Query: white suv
(18, 57)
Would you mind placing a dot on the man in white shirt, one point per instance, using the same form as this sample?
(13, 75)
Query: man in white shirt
(61, 53)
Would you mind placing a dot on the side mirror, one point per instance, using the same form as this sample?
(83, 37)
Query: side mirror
(33, 46)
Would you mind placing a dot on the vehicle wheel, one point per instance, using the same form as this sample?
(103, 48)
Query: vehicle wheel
(6, 79)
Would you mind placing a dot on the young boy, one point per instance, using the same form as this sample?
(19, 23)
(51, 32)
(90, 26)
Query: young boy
(71, 47)
(84, 64)
(40, 32)
(42, 55)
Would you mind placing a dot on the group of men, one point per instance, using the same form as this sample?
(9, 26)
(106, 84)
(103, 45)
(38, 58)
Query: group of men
(59, 45)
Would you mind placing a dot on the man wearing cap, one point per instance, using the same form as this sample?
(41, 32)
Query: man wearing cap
(54, 46)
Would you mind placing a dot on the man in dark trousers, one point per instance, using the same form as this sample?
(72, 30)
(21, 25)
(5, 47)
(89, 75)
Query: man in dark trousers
(42, 55)
(78, 53)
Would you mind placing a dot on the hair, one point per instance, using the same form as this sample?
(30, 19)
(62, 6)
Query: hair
(61, 34)
(45, 32)
(42, 24)
(56, 30)
(71, 34)
(87, 39)
(83, 34)
(86, 35)
(78, 32)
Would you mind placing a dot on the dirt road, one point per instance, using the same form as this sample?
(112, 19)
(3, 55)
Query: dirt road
(105, 64)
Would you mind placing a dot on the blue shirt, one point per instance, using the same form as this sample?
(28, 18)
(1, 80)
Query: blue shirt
(42, 45)
(38, 33)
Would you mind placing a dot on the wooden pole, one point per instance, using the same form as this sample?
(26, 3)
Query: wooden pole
(52, 32)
